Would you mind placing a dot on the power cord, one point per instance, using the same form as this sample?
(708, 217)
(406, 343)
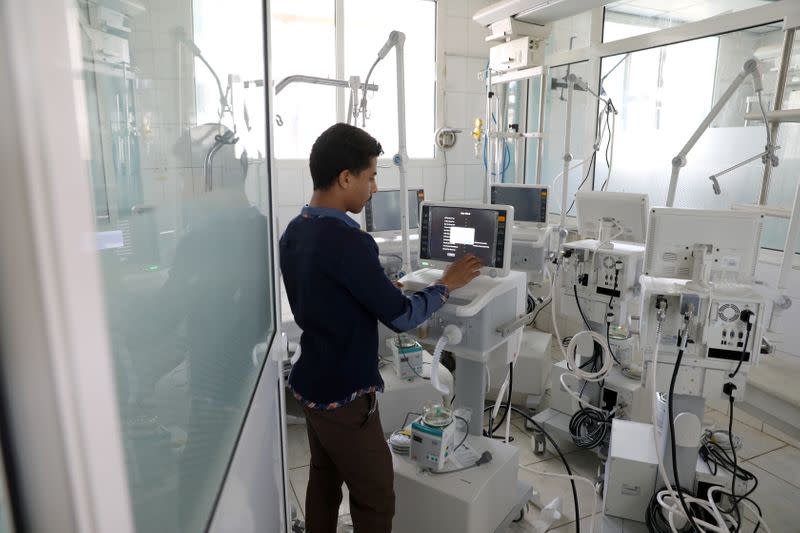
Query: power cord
(746, 316)
(492, 430)
(589, 428)
(466, 432)
(672, 444)
(563, 460)
(580, 309)
(610, 314)
(414, 370)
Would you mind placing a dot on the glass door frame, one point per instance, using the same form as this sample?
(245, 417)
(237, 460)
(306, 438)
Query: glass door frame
(57, 392)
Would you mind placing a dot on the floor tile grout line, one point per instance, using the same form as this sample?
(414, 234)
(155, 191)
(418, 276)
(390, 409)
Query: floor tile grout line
(793, 484)
(761, 430)
(765, 453)
(300, 506)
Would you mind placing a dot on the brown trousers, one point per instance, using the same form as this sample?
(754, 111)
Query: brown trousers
(347, 446)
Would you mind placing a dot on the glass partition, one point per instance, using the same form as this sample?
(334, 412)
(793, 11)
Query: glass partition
(178, 153)
(628, 18)
(582, 127)
(662, 96)
(6, 521)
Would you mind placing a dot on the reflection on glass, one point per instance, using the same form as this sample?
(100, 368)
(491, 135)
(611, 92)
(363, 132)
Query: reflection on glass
(569, 33)
(663, 94)
(584, 110)
(628, 18)
(6, 522)
(175, 96)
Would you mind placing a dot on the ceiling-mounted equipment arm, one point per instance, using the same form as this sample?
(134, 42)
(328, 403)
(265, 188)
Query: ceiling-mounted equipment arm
(315, 80)
(750, 68)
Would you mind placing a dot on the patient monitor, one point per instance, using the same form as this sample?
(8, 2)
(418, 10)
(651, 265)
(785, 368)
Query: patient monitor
(382, 214)
(529, 231)
(382, 221)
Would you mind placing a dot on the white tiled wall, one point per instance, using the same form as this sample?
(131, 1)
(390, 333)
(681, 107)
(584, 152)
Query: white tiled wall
(165, 106)
(461, 56)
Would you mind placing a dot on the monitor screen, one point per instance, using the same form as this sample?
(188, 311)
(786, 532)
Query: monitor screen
(382, 212)
(451, 231)
(529, 202)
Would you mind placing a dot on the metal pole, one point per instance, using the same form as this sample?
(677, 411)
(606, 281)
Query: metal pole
(786, 54)
(540, 142)
(567, 154)
(679, 161)
(487, 146)
(791, 242)
(402, 152)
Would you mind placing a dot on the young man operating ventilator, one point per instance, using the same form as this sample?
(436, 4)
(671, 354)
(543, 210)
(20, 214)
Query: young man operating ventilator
(338, 292)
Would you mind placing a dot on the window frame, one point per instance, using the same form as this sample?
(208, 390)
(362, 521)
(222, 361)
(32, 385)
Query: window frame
(339, 28)
(780, 12)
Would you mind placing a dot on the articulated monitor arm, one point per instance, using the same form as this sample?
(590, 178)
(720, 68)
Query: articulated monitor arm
(750, 68)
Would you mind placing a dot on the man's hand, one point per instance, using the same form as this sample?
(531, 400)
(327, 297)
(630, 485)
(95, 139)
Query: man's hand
(398, 285)
(461, 272)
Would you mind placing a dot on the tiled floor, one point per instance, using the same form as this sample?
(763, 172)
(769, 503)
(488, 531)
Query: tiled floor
(774, 460)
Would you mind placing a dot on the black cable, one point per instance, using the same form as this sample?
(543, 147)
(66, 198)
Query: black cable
(733, 452)
(744, 352)
(713, 454)
(466, 432)
(608, 323)
(508, 403)
(673, 450)
(654, 516)
(531, 304)
(536, 314)
(563, 460)
(505, 408)
(414, 370)
(585, 179)
(580, 309)
(589, 427)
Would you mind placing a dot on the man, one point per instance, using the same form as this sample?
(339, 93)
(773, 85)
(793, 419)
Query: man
(338, 292)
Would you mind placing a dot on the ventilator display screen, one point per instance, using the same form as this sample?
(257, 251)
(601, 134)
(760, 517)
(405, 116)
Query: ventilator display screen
(449, 232)
(530, 203)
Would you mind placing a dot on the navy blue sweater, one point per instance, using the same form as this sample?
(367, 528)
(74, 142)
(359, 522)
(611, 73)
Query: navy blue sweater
(338, 292)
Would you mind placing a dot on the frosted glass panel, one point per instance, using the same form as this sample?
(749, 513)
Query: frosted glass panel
(627, 18)
(642, 163)
(663, 94)
(179, 164)
(783, 185)
(304, 31)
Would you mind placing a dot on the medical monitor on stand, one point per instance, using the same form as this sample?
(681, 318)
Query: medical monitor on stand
(703, 245)
(625, 215)
(382, 214)
(450, 230)
(529, 202)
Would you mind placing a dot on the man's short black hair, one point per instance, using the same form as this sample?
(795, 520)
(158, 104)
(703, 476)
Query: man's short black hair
(341, 147)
